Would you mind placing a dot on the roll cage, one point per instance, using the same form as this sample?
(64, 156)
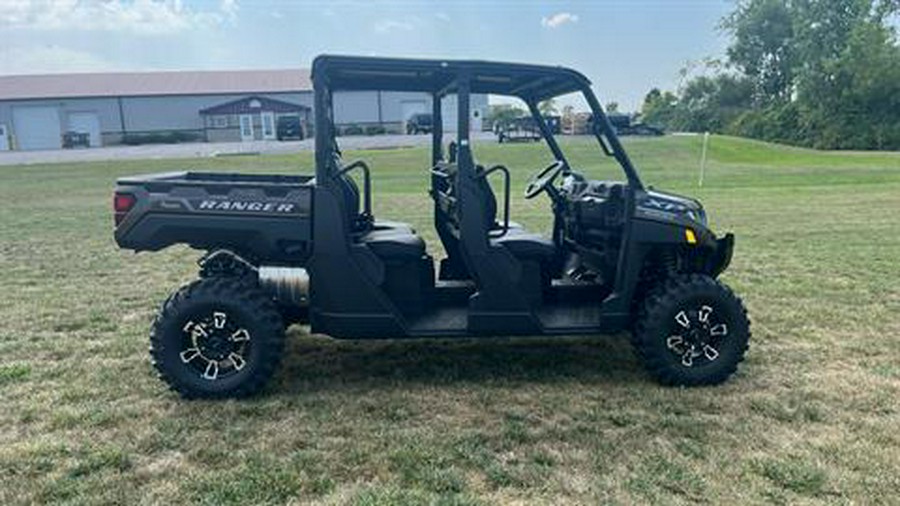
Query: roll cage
(532, 84)
(509, 268)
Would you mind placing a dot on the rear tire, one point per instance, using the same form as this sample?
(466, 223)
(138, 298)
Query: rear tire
(217, 337)
(692, 330)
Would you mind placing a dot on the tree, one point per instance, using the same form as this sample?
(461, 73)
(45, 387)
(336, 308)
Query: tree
(762, 35)
(612, 107)
(659, 108)
(821, 73)
(501, 115)
(547, 107)
(857, 105)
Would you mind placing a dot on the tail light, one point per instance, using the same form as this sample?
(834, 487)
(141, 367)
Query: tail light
(122, 203)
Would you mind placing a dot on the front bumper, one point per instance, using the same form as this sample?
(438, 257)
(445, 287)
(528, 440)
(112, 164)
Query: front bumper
(720, 258)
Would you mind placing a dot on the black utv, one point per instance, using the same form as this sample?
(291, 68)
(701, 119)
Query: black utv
(277, 248)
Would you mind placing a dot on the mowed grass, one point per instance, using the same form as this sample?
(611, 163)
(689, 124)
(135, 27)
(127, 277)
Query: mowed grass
(812, 416)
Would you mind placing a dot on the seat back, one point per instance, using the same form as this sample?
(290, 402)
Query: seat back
(445, 194)
(486, 194)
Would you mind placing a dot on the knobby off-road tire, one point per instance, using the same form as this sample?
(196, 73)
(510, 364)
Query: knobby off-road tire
(228, 321)
(692, 330)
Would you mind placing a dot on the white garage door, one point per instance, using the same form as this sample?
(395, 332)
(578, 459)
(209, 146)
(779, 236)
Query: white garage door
(37, 127)
(86, 123)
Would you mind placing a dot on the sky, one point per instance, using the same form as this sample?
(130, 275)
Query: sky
(625, 47)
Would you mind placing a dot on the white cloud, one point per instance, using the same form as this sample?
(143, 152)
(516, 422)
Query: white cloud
(406, 24)
(229, 9)
(558, 19)
(50, 59)
(135, 16)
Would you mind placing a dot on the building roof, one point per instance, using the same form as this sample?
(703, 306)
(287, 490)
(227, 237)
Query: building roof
(253, 104)
(127, 84)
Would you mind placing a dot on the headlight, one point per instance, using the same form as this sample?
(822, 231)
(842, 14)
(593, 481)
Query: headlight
(698, 215)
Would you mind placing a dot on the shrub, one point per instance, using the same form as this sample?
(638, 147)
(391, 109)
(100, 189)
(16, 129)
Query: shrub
(375, 130)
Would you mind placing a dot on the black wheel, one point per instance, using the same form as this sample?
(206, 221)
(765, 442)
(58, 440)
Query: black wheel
(217, 337)
(692, 330)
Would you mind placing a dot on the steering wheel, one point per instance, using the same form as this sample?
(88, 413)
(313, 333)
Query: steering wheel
(543, 179)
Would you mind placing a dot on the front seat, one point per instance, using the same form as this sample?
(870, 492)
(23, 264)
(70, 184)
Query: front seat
(521, 243)
(536, 254)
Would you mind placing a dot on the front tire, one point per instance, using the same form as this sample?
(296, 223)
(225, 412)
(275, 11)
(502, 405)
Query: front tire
(217, 337)
(692, 330)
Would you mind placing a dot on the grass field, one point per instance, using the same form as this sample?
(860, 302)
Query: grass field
(812, 416)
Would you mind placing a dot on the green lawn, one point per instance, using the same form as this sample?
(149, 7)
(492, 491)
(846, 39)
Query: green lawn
(812, 416)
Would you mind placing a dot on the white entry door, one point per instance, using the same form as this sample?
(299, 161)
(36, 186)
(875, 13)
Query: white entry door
(4, 138)
(246, 127)
(86, 123)
(268, 124)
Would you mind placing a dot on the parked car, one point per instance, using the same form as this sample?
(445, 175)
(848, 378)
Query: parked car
(625, 125)
(289, 128)
(419, 124)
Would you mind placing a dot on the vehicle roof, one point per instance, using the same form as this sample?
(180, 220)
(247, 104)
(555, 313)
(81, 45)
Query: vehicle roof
(529, 82)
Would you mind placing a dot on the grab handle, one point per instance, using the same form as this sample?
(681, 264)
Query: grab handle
(505, 171)
(367, 183)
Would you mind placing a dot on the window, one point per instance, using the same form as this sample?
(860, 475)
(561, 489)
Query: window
(221, 121)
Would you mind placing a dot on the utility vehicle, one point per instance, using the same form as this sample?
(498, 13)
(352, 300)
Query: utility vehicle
(624, 124)
(278, 249)
(289, 128)
(419, 124)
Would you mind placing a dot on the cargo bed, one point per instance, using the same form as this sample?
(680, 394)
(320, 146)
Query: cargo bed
(265, 216)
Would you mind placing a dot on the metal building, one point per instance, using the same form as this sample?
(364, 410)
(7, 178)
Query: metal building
(72, 110)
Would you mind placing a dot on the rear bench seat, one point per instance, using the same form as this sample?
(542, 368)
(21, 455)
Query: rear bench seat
(394, 243)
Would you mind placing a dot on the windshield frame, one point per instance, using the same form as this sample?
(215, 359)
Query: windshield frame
(601, 129)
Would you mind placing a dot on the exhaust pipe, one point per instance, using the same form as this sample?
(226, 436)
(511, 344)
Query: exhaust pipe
(290, 285)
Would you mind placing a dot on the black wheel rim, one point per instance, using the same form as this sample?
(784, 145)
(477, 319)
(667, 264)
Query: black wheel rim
(215, 345)
(696, 335)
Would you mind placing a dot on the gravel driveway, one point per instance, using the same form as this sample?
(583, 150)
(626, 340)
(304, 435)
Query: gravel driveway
(205, 149)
